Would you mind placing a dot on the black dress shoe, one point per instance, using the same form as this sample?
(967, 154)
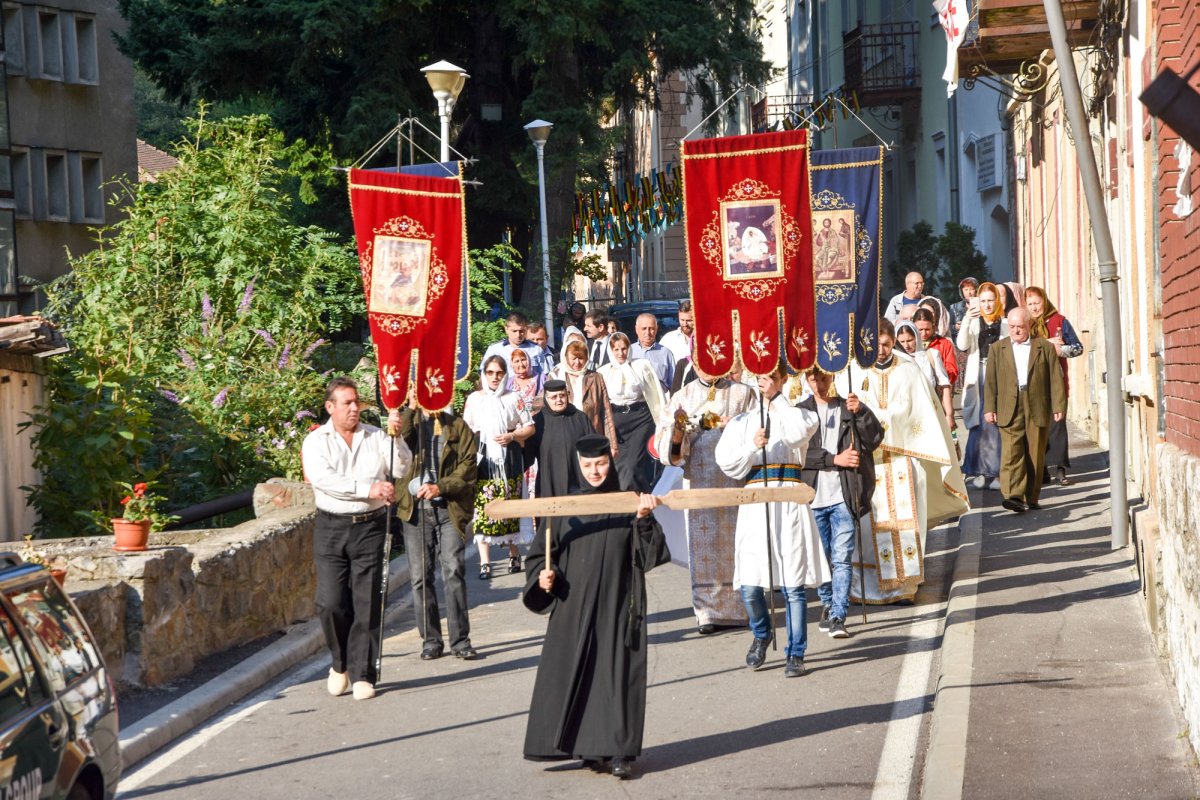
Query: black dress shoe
(622, 768)
(465, 652)
(431, 651)
(1034, 506)
(594, 764)
(707, 629)
(757, 653)
(794, 667)
(1014, 505)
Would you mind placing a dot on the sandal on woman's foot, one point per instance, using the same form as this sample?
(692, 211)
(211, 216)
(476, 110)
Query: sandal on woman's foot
(485, 572)
(514, 563)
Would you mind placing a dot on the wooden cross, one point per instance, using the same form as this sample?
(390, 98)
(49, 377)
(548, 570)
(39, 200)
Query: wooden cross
(581, 505)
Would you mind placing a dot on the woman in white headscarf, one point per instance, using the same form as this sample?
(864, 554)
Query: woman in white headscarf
(929, 361)
(637, 404)
(502, 421)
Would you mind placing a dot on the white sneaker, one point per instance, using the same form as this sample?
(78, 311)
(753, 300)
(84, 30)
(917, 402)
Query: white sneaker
(994, 484)
(979, 481)
(337, 682)
(363, 690)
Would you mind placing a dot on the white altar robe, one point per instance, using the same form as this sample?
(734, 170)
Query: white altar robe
(797, 556)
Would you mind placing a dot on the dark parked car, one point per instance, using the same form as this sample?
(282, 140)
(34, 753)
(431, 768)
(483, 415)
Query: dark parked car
(666, 311)
(58, 711)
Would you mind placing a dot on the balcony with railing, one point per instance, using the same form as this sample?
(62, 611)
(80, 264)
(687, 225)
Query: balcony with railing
(881, 63)
(777, 111)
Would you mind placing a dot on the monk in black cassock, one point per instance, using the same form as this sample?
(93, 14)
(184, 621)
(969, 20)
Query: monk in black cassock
(589, 699)
(557, 427)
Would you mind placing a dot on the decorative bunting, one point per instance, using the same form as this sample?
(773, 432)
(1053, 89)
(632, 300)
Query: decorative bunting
(412, 249)
(847, 224)
(749, 247)
(614, 215)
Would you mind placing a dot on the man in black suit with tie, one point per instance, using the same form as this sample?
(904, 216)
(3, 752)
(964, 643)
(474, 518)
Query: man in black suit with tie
(595, 328)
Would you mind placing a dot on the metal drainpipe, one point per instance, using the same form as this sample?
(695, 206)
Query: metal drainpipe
(1110, 300)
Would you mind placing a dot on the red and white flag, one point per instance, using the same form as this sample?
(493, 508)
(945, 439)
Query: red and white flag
(955, 17)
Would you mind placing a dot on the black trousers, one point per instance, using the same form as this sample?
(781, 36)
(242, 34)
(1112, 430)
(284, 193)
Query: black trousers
(349, 558)
(439, 543)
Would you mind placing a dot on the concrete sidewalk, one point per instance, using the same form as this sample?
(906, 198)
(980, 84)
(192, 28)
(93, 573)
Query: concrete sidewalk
(1050, 686)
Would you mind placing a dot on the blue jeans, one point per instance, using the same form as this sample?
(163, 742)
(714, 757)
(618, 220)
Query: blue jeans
(755, 598)
(835, 524)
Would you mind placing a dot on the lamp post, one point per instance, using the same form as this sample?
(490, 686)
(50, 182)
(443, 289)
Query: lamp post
(446, 81)
(539, 132)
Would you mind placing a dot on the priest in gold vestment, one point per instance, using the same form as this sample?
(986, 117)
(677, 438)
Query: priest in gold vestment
(918, 481)
(692, 425)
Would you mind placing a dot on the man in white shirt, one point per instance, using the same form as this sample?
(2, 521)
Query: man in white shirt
(1023, 389)
(544, 361)
(351, 467)
(595, 328)
(660, 358)
(679, 341)
(904, 305)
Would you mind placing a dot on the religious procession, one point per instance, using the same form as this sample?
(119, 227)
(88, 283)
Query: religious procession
(786, 467)
(695, 399)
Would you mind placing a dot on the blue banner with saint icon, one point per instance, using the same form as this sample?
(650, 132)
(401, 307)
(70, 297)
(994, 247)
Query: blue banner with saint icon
(847, 231)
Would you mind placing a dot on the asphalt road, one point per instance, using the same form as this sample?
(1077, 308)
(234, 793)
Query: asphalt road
(853, 727)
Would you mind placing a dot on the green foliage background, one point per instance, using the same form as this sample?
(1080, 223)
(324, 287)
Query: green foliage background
(193, 327)
(943, 260)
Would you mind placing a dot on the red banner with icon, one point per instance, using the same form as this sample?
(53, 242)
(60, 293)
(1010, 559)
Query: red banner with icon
(412, 247)
(748, 223)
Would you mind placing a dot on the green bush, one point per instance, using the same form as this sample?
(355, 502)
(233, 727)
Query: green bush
(193, 326)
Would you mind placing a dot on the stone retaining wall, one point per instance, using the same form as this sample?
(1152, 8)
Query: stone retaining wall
(1176, 607)
(195, 593)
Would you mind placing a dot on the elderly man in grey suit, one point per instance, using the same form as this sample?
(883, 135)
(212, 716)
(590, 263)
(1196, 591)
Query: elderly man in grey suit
(1023, 390)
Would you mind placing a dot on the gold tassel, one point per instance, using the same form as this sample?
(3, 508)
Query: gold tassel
(437, 425)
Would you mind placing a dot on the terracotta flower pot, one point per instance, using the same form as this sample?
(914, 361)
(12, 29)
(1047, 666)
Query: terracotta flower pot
(130, 535)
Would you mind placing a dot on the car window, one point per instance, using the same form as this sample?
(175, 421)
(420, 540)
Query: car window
(55, 633)
(14, 693)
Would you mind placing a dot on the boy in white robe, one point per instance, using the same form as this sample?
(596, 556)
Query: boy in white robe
(795, 555)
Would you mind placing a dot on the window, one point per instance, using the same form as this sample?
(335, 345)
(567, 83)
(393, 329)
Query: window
(19, 684)
(14, 39)
(83, 53)
(56, 634)
(87, 198)
(50, 40)
(58, 207)
(8, 254)
(22, 183)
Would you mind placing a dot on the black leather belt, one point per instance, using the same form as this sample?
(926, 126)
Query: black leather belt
(620, 409)
(354, 518)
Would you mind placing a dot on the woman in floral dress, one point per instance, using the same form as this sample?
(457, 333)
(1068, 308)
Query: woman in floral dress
(502, 421)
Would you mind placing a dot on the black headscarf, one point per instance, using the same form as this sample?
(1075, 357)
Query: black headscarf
(593, 446)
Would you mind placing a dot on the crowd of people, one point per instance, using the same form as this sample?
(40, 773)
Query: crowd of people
(608, 413)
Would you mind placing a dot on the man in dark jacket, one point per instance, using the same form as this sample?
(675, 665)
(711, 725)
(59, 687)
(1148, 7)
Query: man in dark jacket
(839, 467)
(435, 501)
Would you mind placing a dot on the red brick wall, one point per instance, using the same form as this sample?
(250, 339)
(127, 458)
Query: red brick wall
(1177, 35)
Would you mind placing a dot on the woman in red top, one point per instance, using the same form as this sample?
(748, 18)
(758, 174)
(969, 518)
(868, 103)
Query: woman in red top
(1053, 326)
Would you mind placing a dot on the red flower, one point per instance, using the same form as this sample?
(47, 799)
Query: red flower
(125, 500)
(139, 489)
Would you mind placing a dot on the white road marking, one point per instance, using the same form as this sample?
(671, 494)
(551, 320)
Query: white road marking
(899, 755)
(304, 673)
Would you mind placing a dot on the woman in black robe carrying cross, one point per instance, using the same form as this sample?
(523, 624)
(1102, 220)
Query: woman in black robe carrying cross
(589, 698)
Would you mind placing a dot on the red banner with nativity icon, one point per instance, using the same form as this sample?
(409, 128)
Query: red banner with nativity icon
(412, 246)
(748, 223)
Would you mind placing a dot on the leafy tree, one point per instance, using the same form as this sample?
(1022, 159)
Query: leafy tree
(943, 260)
(192, 328)
(338, 74)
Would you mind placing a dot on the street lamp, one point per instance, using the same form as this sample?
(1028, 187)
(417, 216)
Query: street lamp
(539, 132)
(446, 81)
